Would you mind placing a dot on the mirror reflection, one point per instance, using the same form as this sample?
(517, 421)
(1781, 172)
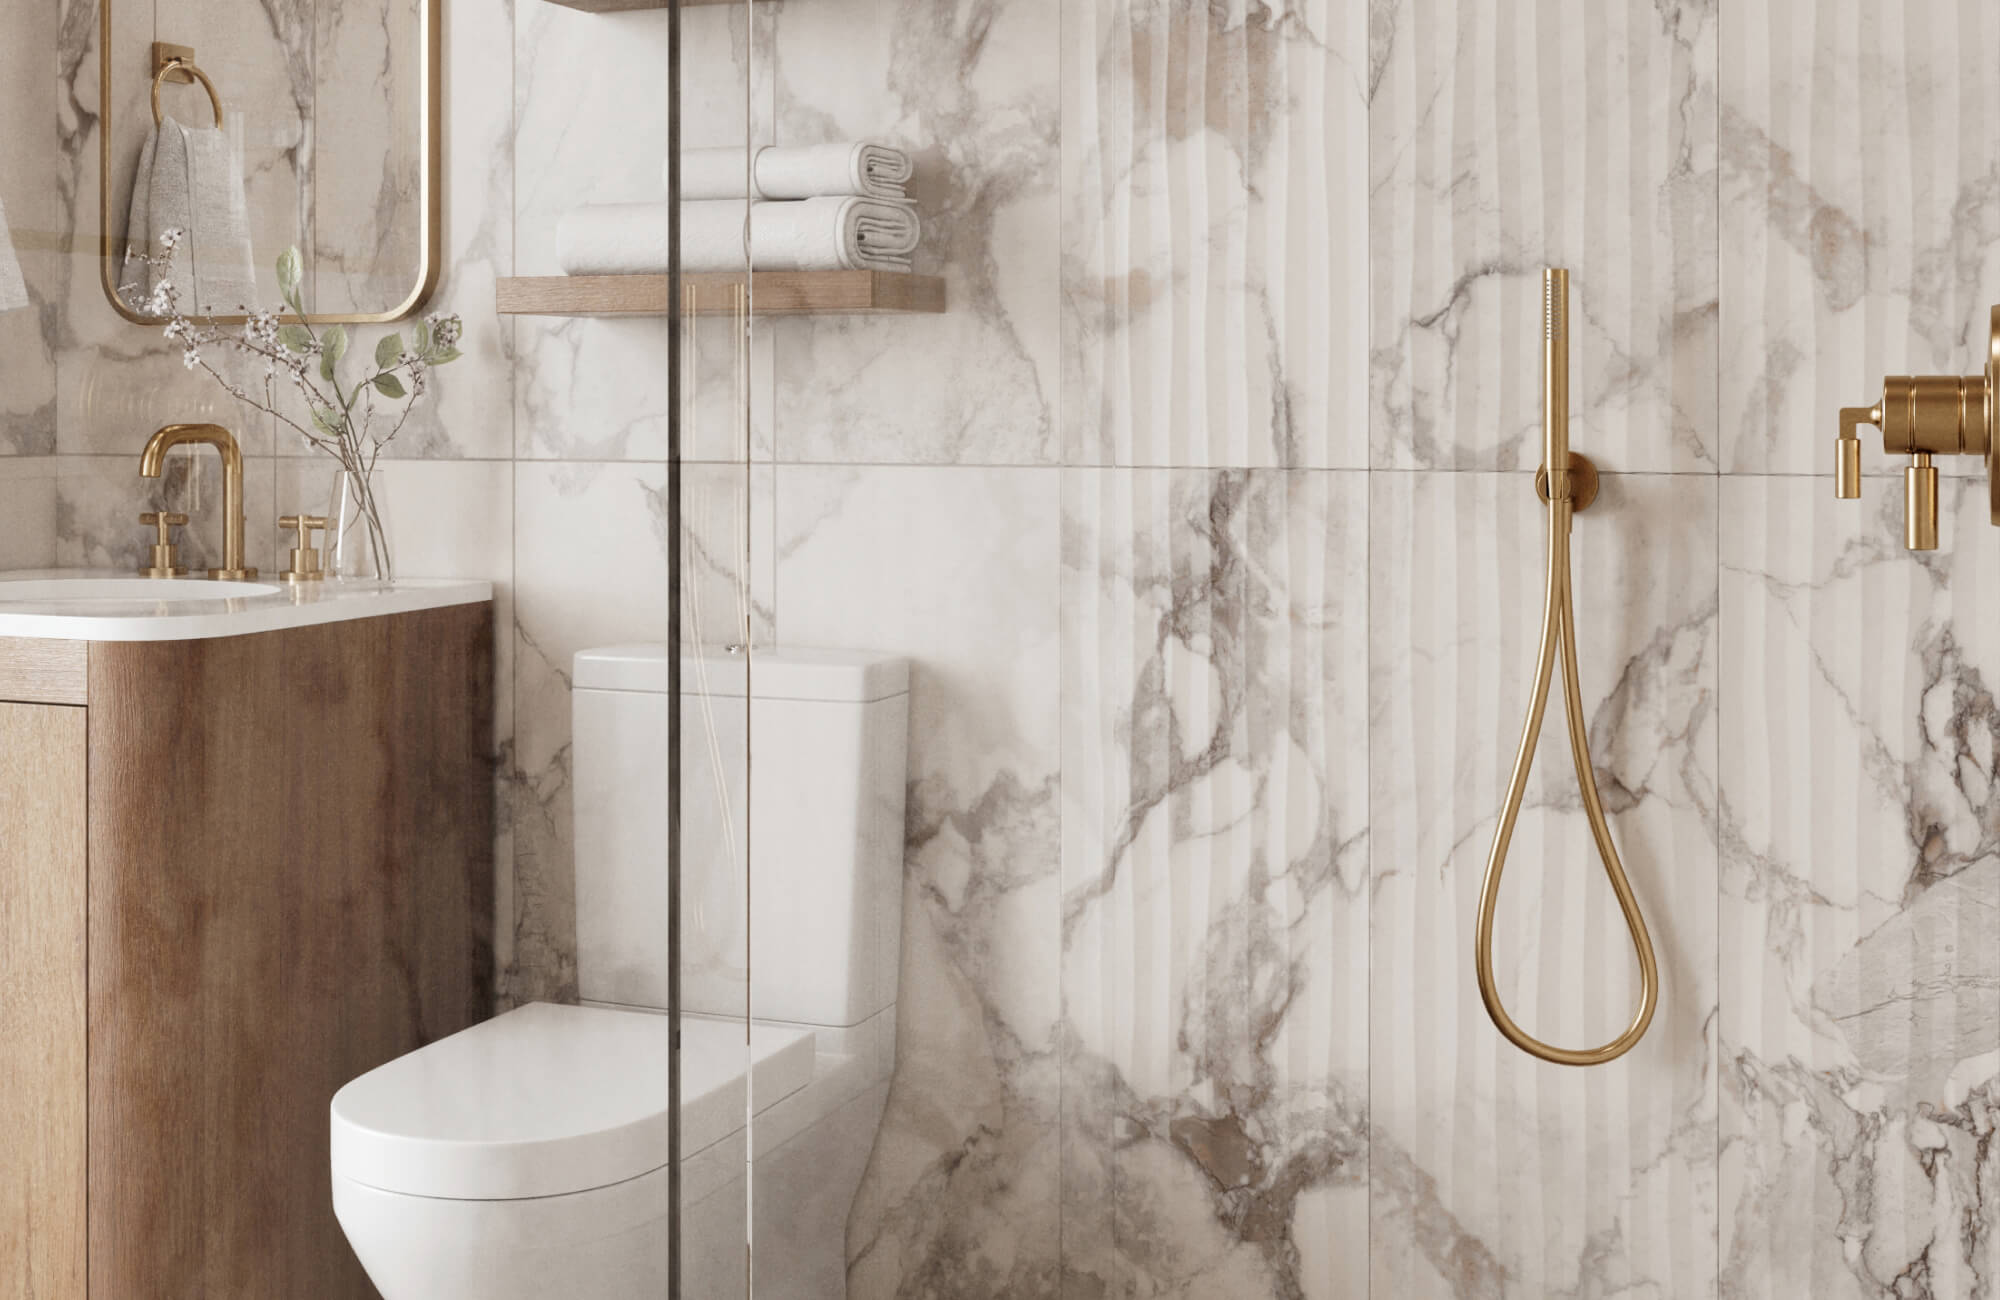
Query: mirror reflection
(242, 129)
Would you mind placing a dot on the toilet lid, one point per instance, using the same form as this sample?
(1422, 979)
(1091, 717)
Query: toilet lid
(547, 1100)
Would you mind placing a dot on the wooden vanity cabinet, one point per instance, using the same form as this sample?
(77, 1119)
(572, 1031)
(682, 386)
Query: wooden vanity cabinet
(234, 874)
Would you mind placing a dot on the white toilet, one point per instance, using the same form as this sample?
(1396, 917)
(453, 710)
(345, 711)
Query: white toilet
(527, 1157)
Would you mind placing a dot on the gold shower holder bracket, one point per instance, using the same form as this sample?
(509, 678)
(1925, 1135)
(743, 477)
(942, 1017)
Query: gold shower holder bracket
(1583, 482)
(1923, 416)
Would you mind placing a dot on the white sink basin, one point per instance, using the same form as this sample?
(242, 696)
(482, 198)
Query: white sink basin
(125, 591)
(109, 605)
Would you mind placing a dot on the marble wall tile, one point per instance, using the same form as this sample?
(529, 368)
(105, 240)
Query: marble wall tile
(1215, 233)
(1860, 1027)
(1585, 139)
(957, 569)
(1860, 212)
(99, 500)
(28, 504)
(1215, 882)
(970, 88)
(1494, 1174)
(590, 568)
(470, 411)
(595, 389)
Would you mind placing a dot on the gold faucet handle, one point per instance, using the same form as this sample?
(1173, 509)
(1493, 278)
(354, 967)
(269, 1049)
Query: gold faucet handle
(164, 560)
(163, 520)
(1847, 459)
(305, 556)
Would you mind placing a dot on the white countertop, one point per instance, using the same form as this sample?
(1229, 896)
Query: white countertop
(123, 619)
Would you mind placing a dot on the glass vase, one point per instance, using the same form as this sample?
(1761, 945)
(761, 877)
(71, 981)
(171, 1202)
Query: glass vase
(357, 537)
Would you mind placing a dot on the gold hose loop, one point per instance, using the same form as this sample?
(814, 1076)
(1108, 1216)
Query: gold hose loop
(1559, 640)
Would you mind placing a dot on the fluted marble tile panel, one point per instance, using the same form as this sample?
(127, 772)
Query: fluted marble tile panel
(1215, 233)
(969, 87)
(1860, 898)
(1493, 1174)
(1860, 212)
(1569, 133)
(956, 568)
(1215, 883)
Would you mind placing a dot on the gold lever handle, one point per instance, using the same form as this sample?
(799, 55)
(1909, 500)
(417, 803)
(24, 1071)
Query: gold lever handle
(305, 565)
(1920, 504)
(164, 559)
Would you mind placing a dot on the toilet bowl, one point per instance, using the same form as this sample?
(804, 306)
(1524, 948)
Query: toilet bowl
(528, 1156)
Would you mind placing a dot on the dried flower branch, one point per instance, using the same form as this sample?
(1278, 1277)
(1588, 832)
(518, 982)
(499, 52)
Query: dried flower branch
(343, 416)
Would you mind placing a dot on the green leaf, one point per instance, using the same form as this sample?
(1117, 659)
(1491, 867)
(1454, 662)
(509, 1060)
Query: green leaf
(389, 351)
(388, 385)
(423, 337)
(446, 357)
(333, 346)
(296, 338)
(291, 270)
(326, 421)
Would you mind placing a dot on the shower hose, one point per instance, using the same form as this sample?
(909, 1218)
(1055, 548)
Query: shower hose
(1559, 642)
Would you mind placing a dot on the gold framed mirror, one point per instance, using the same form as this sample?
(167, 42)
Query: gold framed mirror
(337, 133)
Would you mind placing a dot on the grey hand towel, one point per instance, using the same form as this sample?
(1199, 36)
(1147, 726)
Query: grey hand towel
(191, 179)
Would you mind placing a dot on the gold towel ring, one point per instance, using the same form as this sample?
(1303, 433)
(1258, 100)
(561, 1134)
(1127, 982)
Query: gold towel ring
(183, 65)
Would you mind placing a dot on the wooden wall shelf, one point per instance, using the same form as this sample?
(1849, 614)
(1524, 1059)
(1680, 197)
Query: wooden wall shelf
(776, 293)
(625, 6)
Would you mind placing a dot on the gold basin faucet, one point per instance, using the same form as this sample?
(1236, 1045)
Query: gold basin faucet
(153, 458)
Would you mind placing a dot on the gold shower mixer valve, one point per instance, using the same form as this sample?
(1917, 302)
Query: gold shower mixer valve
(1922, 416)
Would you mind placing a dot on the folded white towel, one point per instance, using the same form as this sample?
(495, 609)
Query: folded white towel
(13, 292)
(824, 234)
(873, 171)
(191, 179)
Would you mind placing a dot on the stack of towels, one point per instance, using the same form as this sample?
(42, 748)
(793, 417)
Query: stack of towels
(826, 207)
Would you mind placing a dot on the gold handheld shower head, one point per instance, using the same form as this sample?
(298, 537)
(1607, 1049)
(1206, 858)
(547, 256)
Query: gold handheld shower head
(1569, 489)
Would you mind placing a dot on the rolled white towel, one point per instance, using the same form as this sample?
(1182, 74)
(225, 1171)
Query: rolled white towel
(823, 234)
(873, 171)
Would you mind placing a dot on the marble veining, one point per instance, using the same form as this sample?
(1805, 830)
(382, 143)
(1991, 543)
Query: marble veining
(1499, 146)
(1215, 177)
(1215, 881)
(1497, 1175)
(1861, 1021)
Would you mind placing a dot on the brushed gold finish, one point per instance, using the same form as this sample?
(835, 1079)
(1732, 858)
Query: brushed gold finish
(165, 557)
(1559, 643)
(1920, 504)
(1921, 416)
(430, 173)
(165, 53)
(1582, 481)
(181, 68)
(305, 556)
(153, 459)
